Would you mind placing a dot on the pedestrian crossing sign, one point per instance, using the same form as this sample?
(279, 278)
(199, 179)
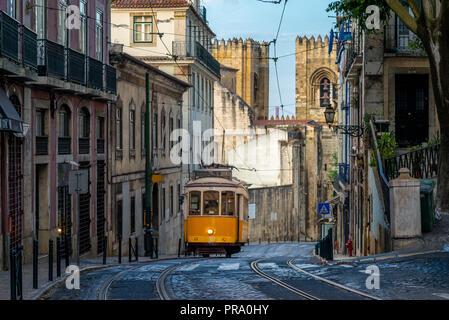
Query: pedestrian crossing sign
(324, 208)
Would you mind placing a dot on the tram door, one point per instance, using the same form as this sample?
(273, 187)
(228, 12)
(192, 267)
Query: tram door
(84, 210)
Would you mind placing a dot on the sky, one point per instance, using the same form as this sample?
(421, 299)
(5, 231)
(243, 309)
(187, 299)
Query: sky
(259, 21)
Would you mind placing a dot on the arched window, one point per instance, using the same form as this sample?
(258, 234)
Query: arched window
(83, 131)
(325, 92)
(119, 124)
(256, 86)
(171, 128)
(64, 139)
(163, 136)
(132, 126)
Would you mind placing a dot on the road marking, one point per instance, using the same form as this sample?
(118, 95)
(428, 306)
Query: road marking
(306, 266)
(229, 266)
(442, 295)
(269, 265)
(188, 267)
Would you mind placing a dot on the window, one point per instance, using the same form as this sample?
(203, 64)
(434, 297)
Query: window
(163, 139)
(83, 123)
(142, 131)
(192, 92)
(227, 203)
(172, 195)
(12, 9)
(100, 127)
(132, 129)
(99, 35)
(179, 126)
(40, 123)
(62, 30)
(64, 121)
(133, 215)
(194, 203)
(83, 26)
(179, 197)
(40, 17)
(119, 128)
(164, 213)
(324, 92)
(143, 28)
(210, 202)
(171, 128)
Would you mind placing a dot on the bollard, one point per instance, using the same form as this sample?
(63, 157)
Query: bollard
(179, 248)
(105, 244)
(130, 247)
(66, 251)
(259, 240)
(137, 249)
(151, 247)
(156, 249)
(268, 240)
(19, 281)
(119, 249)
(12, 261)
(58, 257)
(35, 252)
(50, 260)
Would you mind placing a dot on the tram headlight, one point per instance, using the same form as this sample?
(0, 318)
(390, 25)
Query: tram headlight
(210, 231)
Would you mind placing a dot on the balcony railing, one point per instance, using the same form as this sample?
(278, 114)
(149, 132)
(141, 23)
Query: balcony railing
(76, 66)
(202, 54)
(111, 79)
(422, 163)
(100, 146)
(344, 173)
(9, 37)
(29, 48)
(83, 145)
(203, 14)
(94, 74)
(41, 145)
(51, 59)
(64, 145)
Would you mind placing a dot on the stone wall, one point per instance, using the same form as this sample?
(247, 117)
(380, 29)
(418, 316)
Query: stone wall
(276, 215)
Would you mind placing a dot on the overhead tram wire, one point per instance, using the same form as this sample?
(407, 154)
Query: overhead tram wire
(202, 98)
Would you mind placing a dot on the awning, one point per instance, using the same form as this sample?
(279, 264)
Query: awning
(9, 118)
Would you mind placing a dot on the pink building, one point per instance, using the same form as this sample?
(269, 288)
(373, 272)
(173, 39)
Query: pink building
(55, 89)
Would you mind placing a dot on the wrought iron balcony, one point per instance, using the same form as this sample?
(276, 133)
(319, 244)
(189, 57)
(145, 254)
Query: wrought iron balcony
(111, 79)
(100, 146)
(29, 48)
(182, 49)
(94, 74)
(83, 145)
(202, 54)
(9, 37)
(51, 59)
(64, 145)
(422, 163)
(76, 66)
(344, 173)
(41, 145)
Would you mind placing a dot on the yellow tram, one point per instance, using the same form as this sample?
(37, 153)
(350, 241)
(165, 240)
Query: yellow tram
(216, 213)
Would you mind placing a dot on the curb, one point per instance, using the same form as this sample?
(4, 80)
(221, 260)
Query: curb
(49, 286)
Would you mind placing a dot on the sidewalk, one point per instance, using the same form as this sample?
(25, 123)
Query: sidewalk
(43, 284)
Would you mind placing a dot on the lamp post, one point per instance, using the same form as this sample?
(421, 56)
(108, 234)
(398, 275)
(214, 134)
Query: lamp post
(353, 131)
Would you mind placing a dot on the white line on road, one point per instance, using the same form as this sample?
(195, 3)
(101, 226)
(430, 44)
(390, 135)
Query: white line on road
(268, 265)
(442, 295)
(229, 266)
(188, 267)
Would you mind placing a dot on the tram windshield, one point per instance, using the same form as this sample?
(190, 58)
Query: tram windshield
(227, 203)
(195, 199)
(211, 199)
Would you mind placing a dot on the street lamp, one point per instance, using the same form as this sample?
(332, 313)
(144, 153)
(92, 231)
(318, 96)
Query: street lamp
(353, 131)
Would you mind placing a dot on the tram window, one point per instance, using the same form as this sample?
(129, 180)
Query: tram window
(195, 199)
(227, 203)
(211, 199)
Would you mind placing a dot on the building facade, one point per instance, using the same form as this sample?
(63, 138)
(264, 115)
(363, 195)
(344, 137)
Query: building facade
(385, 79)
(128, 156)
(60, 84)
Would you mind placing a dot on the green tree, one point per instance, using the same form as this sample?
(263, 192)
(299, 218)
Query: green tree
(430, 22)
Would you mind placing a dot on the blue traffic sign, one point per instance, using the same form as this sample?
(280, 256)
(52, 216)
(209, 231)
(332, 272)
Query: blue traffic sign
(324, 208)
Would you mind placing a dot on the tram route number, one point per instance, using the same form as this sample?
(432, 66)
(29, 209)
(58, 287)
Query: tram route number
(229, 309)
